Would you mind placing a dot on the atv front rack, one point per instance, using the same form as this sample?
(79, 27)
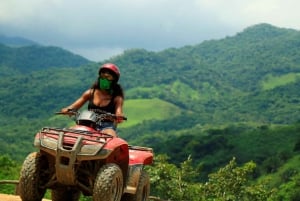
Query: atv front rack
(78, 142)
(76, 131)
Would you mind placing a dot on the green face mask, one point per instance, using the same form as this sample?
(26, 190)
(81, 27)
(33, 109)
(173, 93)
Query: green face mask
(104, 84)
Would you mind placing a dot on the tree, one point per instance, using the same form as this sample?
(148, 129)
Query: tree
(229, 183)
(234, 183)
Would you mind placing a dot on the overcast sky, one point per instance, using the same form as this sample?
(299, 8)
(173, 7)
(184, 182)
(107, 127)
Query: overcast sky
(99, 29)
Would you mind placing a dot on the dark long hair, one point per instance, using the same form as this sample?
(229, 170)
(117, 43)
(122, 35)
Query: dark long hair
(117, 89)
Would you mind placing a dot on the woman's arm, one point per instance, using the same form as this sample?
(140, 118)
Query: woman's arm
(119, 107)
(79, 102)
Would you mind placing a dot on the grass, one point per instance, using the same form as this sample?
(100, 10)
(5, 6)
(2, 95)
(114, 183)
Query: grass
(271, 82)
(139, 110)
(177, 89)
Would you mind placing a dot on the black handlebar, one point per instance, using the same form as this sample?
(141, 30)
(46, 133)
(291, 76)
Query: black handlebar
(101, 114)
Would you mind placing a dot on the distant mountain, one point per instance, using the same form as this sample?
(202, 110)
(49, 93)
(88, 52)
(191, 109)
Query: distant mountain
(35, 57)
(225, 79)
(252, 76)
(16, 41)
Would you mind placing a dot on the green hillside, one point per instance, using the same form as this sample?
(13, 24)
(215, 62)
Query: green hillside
(222, 80)
(234, 97)
(249, 77)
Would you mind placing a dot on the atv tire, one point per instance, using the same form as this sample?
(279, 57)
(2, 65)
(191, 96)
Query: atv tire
(64, 194)
(108, 184)
(142, 191)
(30, 178)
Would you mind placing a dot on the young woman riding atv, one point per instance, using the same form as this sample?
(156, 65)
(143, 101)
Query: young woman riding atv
(105, 95)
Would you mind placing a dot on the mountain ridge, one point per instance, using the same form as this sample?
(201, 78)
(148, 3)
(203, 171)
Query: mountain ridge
(29, 58)
(204, 78)
(16, 41)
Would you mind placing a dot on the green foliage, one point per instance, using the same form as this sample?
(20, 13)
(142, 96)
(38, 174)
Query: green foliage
(229, 183)
(286, 179)
(270, 146)
(9, 171)
(290, 190)
(166, 177)
(233, 183)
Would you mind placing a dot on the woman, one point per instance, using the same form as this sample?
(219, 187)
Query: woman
(104, 95)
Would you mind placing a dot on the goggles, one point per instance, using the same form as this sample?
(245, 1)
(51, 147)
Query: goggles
(104, 74)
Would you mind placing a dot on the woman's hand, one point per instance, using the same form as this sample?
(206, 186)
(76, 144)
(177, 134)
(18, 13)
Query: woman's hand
(65, 110)
(119, 119)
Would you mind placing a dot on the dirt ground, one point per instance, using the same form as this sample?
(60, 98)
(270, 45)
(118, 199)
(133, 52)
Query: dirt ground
(4, 197)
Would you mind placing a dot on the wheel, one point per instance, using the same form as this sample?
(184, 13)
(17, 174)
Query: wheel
(108, 184)
(142, 191)
(30, 181)
(64, 194)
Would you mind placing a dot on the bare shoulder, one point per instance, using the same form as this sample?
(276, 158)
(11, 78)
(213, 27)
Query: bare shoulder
(87, 93)
(118, 99)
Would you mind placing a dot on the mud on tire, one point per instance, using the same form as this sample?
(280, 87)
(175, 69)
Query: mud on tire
(108, 184)
(143, 188)
(30, 178)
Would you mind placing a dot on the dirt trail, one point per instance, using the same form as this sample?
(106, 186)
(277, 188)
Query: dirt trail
(4, 197)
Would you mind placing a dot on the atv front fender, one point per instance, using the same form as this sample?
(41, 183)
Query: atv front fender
(140, 155)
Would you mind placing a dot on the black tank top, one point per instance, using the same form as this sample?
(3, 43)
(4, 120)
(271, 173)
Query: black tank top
(110, 107)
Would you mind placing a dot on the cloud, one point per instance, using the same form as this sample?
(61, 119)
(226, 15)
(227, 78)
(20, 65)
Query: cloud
(249, 12)
(94, 25)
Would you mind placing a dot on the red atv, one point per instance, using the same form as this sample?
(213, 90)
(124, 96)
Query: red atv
(81, 159)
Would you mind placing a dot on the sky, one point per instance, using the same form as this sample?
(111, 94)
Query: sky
(101, 29)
